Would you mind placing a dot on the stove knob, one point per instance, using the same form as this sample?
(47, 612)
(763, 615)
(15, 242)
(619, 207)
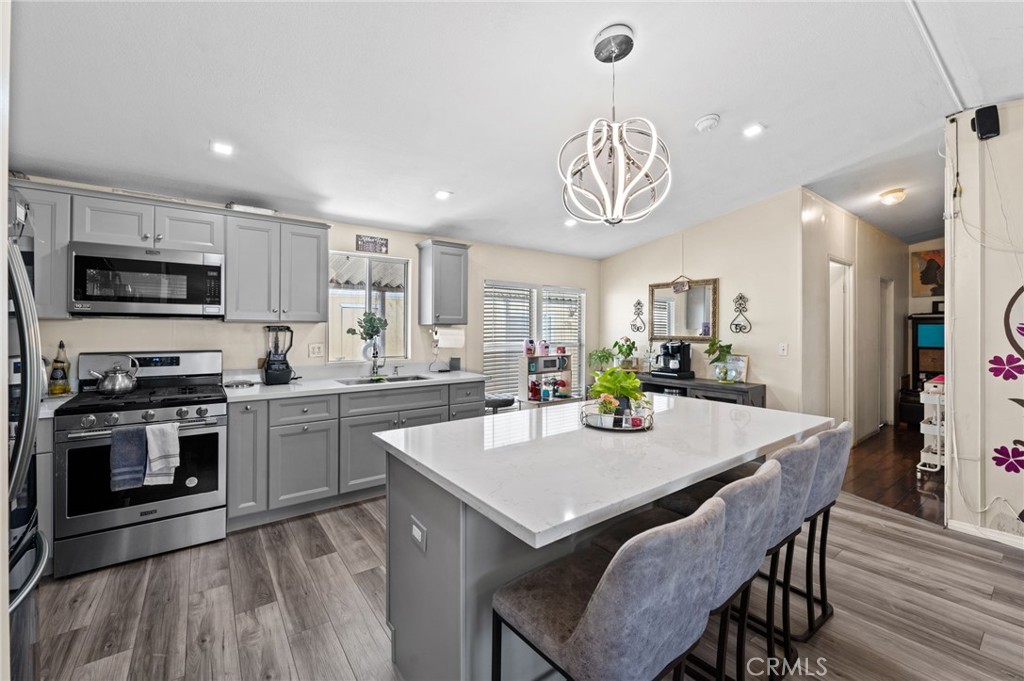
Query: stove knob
(202, 411)
(182, 412)
(148, 415)
(88, 421)
(112, 419)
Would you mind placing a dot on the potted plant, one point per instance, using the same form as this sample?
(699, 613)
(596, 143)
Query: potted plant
(718, 357)
(607, 404)
(370, 328)
(622, 385)
(600, 358)
(625, 348)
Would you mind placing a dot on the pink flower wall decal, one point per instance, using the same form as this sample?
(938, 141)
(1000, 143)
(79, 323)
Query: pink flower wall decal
(1010, 459)
(1008, 369)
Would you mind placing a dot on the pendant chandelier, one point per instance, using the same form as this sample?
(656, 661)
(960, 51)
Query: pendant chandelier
(614, 172)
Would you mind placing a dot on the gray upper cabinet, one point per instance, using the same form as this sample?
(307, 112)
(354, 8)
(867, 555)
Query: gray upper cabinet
(275, 272)
(188, 230)
(303, 463)
(444, 282)
(252, 271)
(303, 274)
(106, 221)
(51, 223)
(248, 448)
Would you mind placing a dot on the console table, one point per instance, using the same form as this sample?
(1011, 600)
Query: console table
(751, 394)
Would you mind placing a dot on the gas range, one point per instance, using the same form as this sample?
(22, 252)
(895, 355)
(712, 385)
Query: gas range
(167, 389)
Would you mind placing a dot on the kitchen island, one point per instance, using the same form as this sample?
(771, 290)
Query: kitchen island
(474, 504)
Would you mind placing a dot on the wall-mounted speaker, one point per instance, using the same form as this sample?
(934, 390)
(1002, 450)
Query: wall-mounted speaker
(986, 122)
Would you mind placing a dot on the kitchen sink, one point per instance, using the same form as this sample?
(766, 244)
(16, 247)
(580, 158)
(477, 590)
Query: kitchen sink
(383, 380)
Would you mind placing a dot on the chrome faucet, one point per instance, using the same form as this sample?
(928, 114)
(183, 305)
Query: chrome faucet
(394, 371)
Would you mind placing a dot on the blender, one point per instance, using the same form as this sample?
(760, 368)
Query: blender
(276, 369)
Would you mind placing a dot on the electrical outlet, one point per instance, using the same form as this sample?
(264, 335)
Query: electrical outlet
(316, 350)
(783, 349)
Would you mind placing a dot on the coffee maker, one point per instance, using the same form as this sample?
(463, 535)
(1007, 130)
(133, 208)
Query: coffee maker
(673, 360)
(276, 369)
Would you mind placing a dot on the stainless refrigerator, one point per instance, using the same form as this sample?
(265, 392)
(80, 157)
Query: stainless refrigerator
(27, 549)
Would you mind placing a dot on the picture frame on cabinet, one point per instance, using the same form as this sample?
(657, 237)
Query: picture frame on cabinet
(742, 365)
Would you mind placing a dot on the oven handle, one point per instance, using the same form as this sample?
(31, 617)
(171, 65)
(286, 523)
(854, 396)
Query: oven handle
(97, 434)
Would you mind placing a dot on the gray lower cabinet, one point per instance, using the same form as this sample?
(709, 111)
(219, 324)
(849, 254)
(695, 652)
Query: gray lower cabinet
(247, 458)
(303, 463)
(362, 459)
(51, 223)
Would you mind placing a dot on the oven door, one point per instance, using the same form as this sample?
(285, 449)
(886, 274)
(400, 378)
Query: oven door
(137, 281)
(83, 502)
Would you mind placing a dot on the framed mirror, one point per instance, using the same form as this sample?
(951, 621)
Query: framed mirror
(689, 316)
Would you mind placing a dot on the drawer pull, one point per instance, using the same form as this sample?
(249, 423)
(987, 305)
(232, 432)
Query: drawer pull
(395, 422)
(305, 410)
(248, 407)
(468, 393)
(404, 420)
(305, 427)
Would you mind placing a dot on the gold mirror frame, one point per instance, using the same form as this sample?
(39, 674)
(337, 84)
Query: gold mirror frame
(713, 283)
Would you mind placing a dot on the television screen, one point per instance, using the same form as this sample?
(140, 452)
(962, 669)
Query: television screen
(930, 336)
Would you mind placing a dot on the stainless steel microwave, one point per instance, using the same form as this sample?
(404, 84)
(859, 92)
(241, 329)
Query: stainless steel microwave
(124, 280)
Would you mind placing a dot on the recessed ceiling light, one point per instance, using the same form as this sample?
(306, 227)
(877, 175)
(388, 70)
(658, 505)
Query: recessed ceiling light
(893, 196)
(442, 195)
(222, 148)
(570, 223)
(752, 131)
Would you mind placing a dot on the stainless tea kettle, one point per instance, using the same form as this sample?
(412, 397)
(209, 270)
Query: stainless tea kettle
(117, 380)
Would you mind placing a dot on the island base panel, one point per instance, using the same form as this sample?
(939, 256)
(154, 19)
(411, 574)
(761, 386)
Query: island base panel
(439, 599)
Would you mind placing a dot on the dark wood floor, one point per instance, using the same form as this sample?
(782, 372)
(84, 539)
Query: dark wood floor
(304, 599)
(883, 469)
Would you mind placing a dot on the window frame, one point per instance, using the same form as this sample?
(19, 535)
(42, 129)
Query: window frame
(368, 303)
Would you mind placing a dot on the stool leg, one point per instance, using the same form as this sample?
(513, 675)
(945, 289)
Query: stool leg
(809, 574)
(741, 635)
(769, 637)
(821, 564)
(787, 582)
(495, 647)
(723, 643)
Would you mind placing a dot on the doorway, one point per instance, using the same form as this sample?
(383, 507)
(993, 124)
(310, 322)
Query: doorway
(840, 340)
(887, 359)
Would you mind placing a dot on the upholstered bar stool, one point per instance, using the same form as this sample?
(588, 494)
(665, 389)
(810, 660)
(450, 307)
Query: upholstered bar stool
(799, 463)
(749, 515)
(632, 615)
(828, 483)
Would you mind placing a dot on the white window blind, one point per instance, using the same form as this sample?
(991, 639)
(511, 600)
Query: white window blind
(562, 324)
(508, 320)
(662, 313)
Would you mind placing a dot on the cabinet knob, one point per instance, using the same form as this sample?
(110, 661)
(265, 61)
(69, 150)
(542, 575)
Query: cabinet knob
(145, 237)
(305, 427)
(274, 310)
(284, 311)
(158, 237)
(453, 413)
(305, 410)
(468, 393)
(395, 422)
(437, 315)
(248, 407)
(404, 420)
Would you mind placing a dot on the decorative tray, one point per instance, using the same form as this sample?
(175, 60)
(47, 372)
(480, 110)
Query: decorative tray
(636, 419)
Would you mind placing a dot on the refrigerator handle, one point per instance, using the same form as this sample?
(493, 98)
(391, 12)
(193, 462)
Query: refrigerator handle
(31, 367)
(42, 555)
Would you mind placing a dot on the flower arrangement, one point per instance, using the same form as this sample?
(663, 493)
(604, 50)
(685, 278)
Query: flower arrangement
(370, 326)
(607, 404)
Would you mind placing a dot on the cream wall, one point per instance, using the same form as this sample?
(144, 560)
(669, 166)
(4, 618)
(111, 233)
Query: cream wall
(243, 344)
(984, 268)
(829, 232)
(919, 305)
(754, 250)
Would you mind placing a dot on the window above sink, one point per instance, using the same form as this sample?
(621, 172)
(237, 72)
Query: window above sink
(359, 283)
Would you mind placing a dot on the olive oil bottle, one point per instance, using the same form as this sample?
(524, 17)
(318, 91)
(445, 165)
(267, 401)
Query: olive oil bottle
(59, 368)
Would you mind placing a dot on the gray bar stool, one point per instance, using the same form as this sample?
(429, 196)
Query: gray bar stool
(799, 463)
(828, 483)
(750, 506)
(632, 615)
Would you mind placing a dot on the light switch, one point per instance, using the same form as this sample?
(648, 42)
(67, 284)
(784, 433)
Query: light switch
(419, 534)
(783, 349)
(316, 350)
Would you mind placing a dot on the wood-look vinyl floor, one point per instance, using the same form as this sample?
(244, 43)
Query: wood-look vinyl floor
(883, 469)
(303, 599)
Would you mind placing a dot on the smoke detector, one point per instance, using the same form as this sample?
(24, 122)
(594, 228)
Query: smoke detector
(707, 123)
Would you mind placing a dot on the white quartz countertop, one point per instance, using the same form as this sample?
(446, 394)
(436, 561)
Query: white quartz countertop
(321, 385)
(541, 475)
(50, 404)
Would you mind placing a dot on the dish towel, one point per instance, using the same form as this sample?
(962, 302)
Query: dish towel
(127, 458)
(163, 457)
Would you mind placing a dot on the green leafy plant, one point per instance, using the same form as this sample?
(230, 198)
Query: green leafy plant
(617, 383)
(717, 351)
(370, 326)
(624, 347)
(601, 357)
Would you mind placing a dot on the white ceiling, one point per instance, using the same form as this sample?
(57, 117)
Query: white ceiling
(359, 112)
